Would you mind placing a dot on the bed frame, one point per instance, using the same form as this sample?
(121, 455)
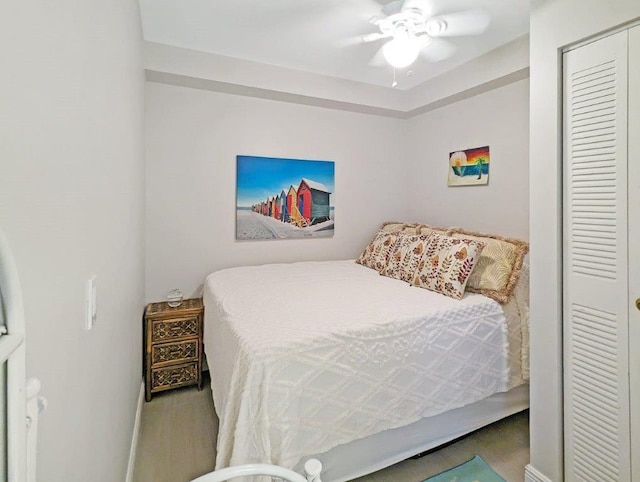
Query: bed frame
(370, 454)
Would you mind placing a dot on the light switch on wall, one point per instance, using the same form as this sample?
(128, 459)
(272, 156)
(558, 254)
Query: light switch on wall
(91, 303)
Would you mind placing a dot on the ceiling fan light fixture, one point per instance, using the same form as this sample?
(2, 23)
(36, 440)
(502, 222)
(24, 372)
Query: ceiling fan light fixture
(412, 30)
(401, 51)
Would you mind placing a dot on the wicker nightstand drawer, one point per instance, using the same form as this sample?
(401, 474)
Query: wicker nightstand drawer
(174, 376)
(175, 328)
(172, 353)
(172, 346)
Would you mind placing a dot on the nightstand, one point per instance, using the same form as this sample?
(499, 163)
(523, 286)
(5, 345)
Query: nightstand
(172, 346)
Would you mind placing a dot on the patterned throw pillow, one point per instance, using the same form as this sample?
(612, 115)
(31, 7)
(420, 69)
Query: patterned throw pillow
(447, 264)
(404, 261)
(411, 228)
(499, 266)
(376, 255)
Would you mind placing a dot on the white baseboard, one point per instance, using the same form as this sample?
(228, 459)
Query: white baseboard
(134, 438)
(531, 474)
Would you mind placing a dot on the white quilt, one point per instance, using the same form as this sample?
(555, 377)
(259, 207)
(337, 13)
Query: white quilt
(307, 356)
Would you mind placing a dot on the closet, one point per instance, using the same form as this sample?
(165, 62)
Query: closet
(601, 258)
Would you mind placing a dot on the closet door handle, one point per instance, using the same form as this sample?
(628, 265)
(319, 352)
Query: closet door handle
(638, 303)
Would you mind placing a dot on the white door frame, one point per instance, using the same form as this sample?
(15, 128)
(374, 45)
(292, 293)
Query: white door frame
(12, 350)
(633, 188)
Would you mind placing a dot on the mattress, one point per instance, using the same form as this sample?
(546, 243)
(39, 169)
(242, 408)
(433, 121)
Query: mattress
(307, 356)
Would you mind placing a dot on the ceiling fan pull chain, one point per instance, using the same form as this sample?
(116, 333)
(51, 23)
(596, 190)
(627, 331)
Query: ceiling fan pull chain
(394, 83)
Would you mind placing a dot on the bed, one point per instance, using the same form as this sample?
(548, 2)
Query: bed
(333, 361)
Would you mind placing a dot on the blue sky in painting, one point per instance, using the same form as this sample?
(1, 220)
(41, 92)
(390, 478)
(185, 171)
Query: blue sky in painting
(261, 177)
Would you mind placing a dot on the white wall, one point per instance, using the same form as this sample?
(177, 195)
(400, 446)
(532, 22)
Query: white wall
(71, 205)
(498, 118)
(550, 32)
(193, 137)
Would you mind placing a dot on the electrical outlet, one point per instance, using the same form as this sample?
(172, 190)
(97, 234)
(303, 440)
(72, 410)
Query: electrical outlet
(91, 303)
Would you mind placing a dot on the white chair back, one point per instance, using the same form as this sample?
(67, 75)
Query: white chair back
(312, 467)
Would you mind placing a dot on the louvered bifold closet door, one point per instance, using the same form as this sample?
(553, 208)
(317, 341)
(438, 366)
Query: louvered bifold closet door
(596, 357)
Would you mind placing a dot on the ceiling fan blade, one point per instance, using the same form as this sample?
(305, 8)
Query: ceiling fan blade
(372, 6)
(392, 7)
(376, 19)
(359, 39)
(378, 59)
(349, 42)
(372, 37)
(423, 6)
(468, 22)
(424, 41)
(438, 50)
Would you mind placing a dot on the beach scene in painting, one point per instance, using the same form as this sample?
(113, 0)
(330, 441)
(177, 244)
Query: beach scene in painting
(469, 167)
(284, 198)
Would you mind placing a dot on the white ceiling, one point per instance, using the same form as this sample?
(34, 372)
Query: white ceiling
(317, 35)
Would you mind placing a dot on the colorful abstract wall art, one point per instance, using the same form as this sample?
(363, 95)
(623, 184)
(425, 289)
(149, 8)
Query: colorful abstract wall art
(469, 167)
(284, 198)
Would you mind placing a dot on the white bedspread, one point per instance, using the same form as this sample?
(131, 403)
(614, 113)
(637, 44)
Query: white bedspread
(307, 356)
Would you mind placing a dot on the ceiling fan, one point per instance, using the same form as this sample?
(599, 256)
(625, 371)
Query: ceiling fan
(413, 31)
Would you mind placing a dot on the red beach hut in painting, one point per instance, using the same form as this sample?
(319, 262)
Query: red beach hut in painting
(272, 205)
(276, 207)
(313, 201)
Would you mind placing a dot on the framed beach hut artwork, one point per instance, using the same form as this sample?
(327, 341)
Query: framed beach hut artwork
(469, 167)
(280, 198)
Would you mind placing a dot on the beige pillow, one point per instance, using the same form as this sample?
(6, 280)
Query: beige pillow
(411, 228)
(376, 254)
(498, 269)
(447, 264)
(404, 260)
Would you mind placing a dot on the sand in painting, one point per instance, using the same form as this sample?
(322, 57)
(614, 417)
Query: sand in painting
(252, 225)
